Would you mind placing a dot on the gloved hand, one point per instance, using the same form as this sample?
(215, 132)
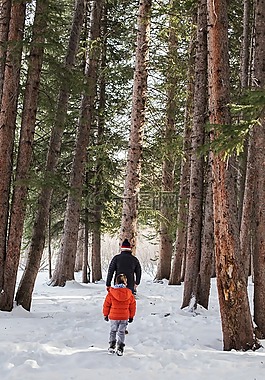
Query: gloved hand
(106, 318)
(130, 320)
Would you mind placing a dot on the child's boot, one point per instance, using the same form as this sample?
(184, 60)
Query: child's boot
(120, 349)
(112, 346)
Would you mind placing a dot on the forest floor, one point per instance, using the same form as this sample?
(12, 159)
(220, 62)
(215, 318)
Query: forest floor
(64, 337)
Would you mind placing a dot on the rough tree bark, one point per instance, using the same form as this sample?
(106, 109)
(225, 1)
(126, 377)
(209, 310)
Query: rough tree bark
(133, 169)
(5, 9)
(259, 147)
(8, 121)
(237, 327)
(20, 191)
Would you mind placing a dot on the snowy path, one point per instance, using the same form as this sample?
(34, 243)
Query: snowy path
(64, 337)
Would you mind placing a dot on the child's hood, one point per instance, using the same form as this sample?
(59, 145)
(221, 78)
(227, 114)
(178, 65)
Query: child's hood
(120, 294)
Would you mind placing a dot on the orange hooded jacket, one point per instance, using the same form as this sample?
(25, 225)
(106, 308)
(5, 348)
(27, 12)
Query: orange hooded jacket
(119, 304)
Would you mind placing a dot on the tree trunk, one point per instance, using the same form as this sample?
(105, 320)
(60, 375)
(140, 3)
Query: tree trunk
(5, 10)
(179, 260)
(246, 225)
(246, 179)
(80, 249)
(245, 71)
(166, 210)
(86, 268)
(197, 161)
(133, 168)
(26, 286)
(8, 123)
(99, 182)
(245, 47)
(18, 206)
(178, 265)
(207, 248)
(259, 144)
(259, 235)
(49, 248)
(238, 332)
(64, 270)
(96, 248)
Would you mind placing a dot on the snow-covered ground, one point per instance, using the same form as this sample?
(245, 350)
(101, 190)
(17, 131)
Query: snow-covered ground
(64, 337)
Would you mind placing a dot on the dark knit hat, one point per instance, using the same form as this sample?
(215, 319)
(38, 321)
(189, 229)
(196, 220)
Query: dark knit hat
(126, 246)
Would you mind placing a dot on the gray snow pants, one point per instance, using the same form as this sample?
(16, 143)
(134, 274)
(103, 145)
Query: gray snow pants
(117, 328)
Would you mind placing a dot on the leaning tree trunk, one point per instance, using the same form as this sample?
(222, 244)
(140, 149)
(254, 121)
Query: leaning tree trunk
(166, 210)
(8, 122)
(195, 215)
(26, 286)
(18, 206)
(237, 327)
(259, 147)
(5, 9)
(133, 168)
(64, 270)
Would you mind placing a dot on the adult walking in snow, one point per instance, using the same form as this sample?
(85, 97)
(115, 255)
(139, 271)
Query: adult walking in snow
(125, 262)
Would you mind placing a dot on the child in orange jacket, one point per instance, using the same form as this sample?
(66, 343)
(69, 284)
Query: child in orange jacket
(119, 307)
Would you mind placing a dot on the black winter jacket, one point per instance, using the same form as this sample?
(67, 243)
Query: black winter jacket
(125, 263)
